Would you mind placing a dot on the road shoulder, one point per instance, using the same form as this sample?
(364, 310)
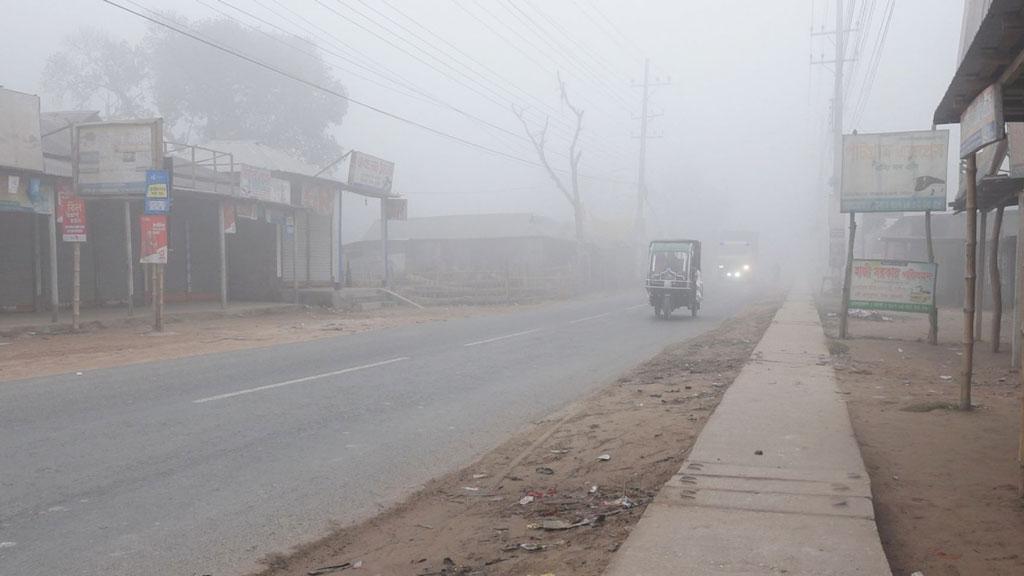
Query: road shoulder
(546, 501)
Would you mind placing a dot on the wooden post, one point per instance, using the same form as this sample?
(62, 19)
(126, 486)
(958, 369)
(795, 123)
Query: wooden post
(222, 244)
(971, 213)
(933, 314)
(37, 266)
(295, 256)
(158, 297)
(996, 280)
(384, 240)
(1018, 288)
(979, 291)
(54, 283)
(847, 277)
(128, 257)
(76, 294)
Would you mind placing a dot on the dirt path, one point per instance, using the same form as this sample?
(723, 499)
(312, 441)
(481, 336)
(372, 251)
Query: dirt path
(548, 501)
(29, 354)
(944, 481)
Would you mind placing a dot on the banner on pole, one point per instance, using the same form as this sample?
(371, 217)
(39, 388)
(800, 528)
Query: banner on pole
(158, 200)
(71, 214)
(895, 172)
(896, 285)
(153, 231)
(230, 224)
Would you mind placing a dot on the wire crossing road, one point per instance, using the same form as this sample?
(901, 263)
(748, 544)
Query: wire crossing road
(204, 465)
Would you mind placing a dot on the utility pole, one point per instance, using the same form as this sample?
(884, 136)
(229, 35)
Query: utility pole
(832, 216)
(641, 192)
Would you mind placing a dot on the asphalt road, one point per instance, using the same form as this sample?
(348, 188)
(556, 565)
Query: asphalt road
(204, 465)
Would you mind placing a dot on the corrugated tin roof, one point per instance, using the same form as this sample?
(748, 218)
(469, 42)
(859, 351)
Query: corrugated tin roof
(255, 153)
(472, 226)
(944, 226)
(995, 45)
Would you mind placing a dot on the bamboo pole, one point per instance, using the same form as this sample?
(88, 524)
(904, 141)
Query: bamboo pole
(129, 258)
(979, 291)
(996, 280)
(971, 213)
(933, 314)
(51, 223)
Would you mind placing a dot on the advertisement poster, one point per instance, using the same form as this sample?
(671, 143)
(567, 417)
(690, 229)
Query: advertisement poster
(895, 172)
(114, 157)
(71, 214)
(230, 224)
(896, 285)
(153, 248)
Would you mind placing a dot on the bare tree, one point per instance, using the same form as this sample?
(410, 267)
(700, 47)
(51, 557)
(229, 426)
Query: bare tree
(570, 190)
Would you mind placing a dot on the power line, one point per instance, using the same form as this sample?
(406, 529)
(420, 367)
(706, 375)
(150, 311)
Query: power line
(321, 88)
(507, 93)
(427, 98)
(533, 26)
(872, 72)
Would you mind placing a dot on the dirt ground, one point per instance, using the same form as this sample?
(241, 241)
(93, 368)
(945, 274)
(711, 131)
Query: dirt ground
(28, 354)
(548, 501)
(944, 481)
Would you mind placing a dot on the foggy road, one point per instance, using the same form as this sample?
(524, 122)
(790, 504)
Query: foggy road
(204, 465)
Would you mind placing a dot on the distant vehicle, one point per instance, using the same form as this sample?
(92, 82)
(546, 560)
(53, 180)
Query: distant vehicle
(673, 279)
(736, 256)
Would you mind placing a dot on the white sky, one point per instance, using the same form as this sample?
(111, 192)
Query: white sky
(742, 120)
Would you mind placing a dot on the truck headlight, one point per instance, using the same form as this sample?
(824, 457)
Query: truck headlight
(746, 267)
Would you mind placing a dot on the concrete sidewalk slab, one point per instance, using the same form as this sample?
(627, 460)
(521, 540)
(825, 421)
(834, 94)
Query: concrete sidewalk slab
(775, 483)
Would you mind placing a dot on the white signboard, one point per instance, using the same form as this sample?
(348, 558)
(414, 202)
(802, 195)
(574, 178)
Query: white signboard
(895, 172)
(896, 285)
(111, 158)
(981, 123)
(258, 184)
(370, 172)
(20, 145)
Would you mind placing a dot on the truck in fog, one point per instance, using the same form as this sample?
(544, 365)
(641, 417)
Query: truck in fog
(736, 255)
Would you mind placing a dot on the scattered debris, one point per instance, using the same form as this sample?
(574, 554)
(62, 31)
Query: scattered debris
(480, 476)
(471, 488)
(945, 378)
(330, 569)
(544, 470)
(560, 451)
(593, 489)
(526, 500)
(531, 547)
(604, 457)
(758, 452)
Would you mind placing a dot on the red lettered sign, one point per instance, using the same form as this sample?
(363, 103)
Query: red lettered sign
(70, 214)
(153, 248)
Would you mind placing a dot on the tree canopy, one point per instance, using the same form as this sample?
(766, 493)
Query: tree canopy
(203, 93)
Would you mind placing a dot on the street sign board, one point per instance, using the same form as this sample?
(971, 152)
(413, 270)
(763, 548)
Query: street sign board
(158, 200)
(153, 231)
(370, 172)
(897, 285)
(895, 172)
(71, 214)
(230, 223)
(982, 123)
(112, 158)
(256, 183)
(397, 208)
